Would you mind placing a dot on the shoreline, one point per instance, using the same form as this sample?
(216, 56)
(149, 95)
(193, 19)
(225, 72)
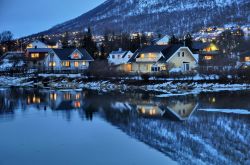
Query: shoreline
(163, 88)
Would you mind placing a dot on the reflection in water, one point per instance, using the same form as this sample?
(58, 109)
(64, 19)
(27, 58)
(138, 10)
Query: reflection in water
(201, 137)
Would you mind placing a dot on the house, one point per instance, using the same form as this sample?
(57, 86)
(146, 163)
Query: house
(12, 60)
(210, 57)
(67, 59)
(44, 44)
(35, 57)
(120, 59)
(156, 58)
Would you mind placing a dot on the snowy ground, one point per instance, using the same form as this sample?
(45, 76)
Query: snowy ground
(167, 89)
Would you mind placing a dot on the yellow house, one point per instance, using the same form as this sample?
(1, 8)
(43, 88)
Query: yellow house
(156, 58)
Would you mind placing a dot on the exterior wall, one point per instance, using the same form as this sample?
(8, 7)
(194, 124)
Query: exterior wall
(36, 63)
(59, 64)
(118, 58)
(178, 61)
(55, 59)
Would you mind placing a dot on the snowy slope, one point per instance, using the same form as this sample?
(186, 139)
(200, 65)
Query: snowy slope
(165, 16)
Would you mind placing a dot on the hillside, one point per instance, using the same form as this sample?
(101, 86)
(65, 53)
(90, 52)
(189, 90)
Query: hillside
(163, 16)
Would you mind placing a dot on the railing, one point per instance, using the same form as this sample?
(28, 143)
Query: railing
(147, 59)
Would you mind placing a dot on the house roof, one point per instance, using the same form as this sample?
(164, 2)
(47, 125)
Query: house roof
(166, 50)
(64, 54)
(8, 55)
(38, 50)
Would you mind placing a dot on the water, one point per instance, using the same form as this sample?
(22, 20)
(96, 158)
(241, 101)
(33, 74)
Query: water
(52, 127)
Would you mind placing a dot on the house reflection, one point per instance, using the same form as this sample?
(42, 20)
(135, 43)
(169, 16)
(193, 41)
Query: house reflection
(65, 100)
(180, 108)
(33, 99)
(150, 111)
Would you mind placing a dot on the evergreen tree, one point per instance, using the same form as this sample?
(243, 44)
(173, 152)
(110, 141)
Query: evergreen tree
(89, 43)
(173, 40)
(189, 41)
(65, 40)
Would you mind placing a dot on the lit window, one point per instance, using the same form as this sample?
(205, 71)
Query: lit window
(84, 63)
(66, 63)
(76, 56)
(247, 59)
(52, 63)
(34, 55)
(208, 57)
(152, 56)
(142, 56)
(76, 64)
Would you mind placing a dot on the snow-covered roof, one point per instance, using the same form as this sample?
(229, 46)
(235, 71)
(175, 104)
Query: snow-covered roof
(164, 40)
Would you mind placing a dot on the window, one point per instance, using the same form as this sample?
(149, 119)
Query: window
(183, 54)
(52, 64)
(129, 56)
(34, 55)
(76, 64)
(76, 56)
(247, 59)
(84, 63)
(142, 56)
(179, 54)
(152, 56)
(66, 63)
(113, 56)
(208, 57)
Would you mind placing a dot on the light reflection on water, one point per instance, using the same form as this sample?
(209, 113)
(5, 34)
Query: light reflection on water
(44, 123)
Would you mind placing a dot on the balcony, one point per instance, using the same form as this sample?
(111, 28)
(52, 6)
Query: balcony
(147, 59)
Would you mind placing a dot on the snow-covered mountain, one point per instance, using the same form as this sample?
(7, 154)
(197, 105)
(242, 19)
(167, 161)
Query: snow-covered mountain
(164, 16)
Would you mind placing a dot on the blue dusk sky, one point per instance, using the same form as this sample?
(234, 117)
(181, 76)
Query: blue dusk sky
(25, 17)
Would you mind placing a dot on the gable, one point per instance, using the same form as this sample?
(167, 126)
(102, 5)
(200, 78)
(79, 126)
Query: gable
(76, 55)
(182, 54)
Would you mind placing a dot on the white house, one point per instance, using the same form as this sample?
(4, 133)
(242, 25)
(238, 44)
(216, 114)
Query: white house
(160, 58)
(67, 59)
(119, 57)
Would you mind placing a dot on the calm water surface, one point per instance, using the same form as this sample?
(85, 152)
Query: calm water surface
(69, 127)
